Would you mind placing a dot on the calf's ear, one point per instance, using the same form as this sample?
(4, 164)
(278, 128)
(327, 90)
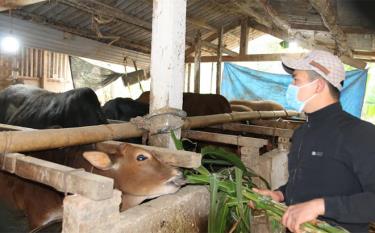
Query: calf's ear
(98, 159)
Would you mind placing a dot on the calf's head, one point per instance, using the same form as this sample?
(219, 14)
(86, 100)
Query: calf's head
(136, 171)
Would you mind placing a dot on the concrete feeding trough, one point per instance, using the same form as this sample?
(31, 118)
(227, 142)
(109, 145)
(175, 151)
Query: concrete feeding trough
(184, 211)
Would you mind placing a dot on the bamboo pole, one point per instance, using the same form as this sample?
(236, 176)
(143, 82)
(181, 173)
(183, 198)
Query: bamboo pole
(22, 141)
(203, 121)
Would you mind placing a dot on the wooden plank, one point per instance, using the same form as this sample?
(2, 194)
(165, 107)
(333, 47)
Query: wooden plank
(197, 62)
(172, 157)
(62, 178)
(263, 130)
(224, 138)
(204, 121)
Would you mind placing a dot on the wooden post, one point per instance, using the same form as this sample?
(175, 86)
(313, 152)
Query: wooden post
(188, 77)
(244, 39)
(167, 68)
(197, 62)
(219, 60)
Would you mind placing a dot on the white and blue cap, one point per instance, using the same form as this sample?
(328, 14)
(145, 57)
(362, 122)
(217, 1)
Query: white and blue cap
(324, 63)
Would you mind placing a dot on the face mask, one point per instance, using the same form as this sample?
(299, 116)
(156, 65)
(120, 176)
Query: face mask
(292, 97)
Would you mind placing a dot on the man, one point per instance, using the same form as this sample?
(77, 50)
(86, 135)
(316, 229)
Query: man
(332, 158)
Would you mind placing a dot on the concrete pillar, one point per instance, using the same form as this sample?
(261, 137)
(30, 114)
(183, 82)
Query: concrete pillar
(272, 166)
(167, 67)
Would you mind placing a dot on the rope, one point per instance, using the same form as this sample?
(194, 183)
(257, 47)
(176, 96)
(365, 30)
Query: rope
(139, 80)
(145, 122)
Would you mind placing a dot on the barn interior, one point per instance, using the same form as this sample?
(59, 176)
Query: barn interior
(127, 47)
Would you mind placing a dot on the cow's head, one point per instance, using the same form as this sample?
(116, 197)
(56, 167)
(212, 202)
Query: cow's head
(136, 171)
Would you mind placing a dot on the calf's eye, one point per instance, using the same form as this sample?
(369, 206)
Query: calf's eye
(141, 157)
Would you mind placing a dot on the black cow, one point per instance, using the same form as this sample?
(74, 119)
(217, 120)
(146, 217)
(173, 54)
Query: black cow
(124, 108)
(33, 107)
(196, 104)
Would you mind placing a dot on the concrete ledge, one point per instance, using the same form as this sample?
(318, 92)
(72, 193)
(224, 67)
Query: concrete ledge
(185, 211)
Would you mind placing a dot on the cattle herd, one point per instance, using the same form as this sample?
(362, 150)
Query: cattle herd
(136, 172)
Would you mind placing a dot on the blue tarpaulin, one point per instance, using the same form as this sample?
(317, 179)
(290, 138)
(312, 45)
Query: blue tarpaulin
(244, 83)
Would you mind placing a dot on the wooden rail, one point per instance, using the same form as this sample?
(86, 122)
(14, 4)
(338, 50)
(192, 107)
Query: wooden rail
(62, 178)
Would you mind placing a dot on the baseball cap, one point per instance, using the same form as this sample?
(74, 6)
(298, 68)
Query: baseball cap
(324, 63)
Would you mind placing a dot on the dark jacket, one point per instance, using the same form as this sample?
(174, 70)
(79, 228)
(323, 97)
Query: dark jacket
(333, 157)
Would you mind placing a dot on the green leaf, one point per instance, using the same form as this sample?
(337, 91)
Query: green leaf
(177, 142)
(222, 215)
(231, 158)
(214, 187)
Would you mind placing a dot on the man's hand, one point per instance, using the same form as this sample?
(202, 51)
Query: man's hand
(275, 195)
(295, 215)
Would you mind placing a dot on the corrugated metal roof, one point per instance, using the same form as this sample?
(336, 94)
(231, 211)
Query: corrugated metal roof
(77, 18)
(72, 17)
(38, 36)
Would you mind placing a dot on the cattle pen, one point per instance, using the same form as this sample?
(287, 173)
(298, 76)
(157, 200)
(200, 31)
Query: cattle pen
(132, 116)
(96, 193)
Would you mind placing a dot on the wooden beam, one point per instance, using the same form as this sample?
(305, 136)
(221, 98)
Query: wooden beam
(328, 14)
(175, 158)
(61, 178)
(212, 46)
(357, 63)
(263, 130)
(224, 138)
(365, 53)
(353, 62)
(214, 36)
(244, 39)
(346, 29)
(219, 60)
(248, 57)
(197, 62)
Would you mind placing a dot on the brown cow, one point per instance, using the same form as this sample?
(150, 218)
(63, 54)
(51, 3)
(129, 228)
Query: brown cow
(136, 172)
(259, 105)
(195, 104)
(240, 108)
